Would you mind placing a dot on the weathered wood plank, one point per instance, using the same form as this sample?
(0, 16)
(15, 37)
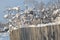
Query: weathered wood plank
(14, 35)
(36, 33)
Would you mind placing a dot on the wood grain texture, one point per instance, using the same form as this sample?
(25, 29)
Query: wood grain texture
(36, 33)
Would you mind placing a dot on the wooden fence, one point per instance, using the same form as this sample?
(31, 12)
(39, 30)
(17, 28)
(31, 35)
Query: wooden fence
(36, 33)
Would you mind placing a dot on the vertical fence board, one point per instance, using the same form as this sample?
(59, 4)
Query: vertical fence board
(36, 33)
(14, 35)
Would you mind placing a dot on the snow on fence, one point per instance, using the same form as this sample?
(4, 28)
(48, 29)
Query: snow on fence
(48, 31)
(39, 25)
